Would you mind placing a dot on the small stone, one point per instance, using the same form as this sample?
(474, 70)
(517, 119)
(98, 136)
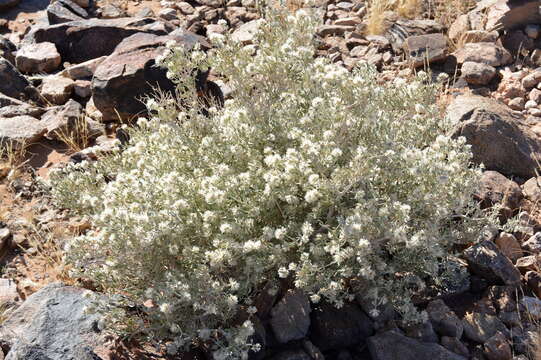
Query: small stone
(185, 8)
(83, 71)
(83, 88)
(477, 73)
(444, 320)
(535, 95)
(145, 12)
(312, 350)
(531, 80)
(509, 246)
(338, 30)
(348, 21)
(290, 318)
(57, 89)
(483, 52)
(8, 292)
(532, 30)
(20, 130)
(246, 32)
(533, 244)
(480, 327)
(510, 318)
(168, 14)
(486, 260)
(530, 104)
(517, 103)
(38, 58)
(423, 332)
(111, 11)
(526, 263)
(497, 348)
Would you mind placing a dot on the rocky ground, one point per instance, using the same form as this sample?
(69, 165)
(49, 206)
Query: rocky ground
(71, 70)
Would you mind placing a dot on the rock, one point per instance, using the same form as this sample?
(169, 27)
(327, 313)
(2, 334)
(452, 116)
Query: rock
(92, 38)
(8, 292)
(246, 32)
(423, 332)
(483, 52)
(401, 29)
(20, 130)
(185, 8)
(429, 48)
(391, 345)
(516, 41)
(38, 58)
(61, 11)
(509, 246)
(477, 73)
(168, 14)
(444, 320)
(62, 119)
(292, 355)
(531, 80)
(83, 71)
(500, 139)
(20, 110)
(455, 345)
(8, 4)
(475, 36)
(13, 83)
(57, 89)
(83, 88)
(497, 348)
(128, 74)
(530, 105)
(533, 244)
(111, 11)
(38, 328)
(532, 189)
(533, 279)
(532, 30)
(334, 328)
(487, 261)
(7, 49)
(290, 317)
(459, 27)
(531, 306)
(526, 263)
(510, 15)
(480, 327)
(312, 350)
(510, 318)
(535, 95)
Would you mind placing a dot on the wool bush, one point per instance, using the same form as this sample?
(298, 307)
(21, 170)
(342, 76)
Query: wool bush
(310, 173)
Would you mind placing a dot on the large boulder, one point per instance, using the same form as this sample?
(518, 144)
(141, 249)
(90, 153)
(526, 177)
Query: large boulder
(79, 41)
(392, 345)
(52, 325)
(499, 137)
(130, 73)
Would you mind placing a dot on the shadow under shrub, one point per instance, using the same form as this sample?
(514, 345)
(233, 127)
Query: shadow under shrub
(309, 172)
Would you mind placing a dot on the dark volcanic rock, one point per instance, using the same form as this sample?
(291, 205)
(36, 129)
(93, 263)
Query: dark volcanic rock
(52, 325)
(487, 261)
(79, 41)
(8, 4)
(122, 80)
(13, 83)
(62, 11)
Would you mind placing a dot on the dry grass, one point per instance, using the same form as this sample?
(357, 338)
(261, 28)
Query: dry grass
(447, 11)
(76, 137)
(12, 159)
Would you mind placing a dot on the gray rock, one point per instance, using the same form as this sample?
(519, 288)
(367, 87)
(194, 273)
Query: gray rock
(334, 328)
(13, 83)
(128, 74)
(500, 138)
(391, 345)
(533, 244)
(92, 38)
(483, 52)
(531, 80)
(509, 15)
(57, 89)
(111, 11)
(488, 262)
(8, 293)
(168, 14)
(444, 320)
(480, 327)
(7, 49)
(20, 130)
(246, 32)
(83, 71)
(494, 188)
(425, 49)
(61, 11)
(455, 345)
(477, 73)
(38, 58)
(62, 119)
(20, 110)
(290, 317)
(51, 324)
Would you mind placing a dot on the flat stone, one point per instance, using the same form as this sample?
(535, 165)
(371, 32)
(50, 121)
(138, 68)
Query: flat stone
(20, 130)
(483, 52)
(57, 89)
(38, 58)
(83, 71)
(423, 49)
(487, 261)
(391, 345)
(290, 318)
(338, 30)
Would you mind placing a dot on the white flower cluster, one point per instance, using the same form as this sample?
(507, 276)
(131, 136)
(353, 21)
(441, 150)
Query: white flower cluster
(310, 172)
